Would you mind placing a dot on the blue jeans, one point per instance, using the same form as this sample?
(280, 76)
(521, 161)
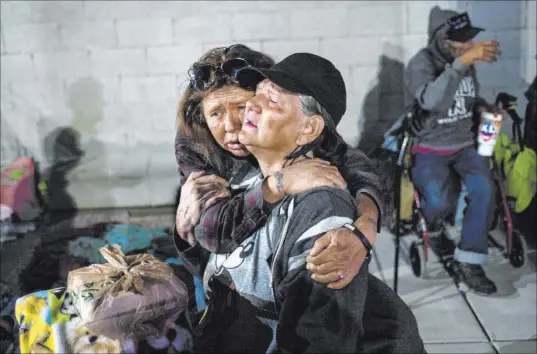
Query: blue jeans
(432, 176)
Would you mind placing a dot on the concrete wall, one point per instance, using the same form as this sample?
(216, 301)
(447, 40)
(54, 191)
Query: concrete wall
(106, 76)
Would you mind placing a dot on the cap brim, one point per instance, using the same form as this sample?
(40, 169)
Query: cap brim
(250, 77)
(465, 35)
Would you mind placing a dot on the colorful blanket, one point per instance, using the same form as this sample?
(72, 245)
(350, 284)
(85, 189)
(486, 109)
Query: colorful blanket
(130, 237)
(49, 323)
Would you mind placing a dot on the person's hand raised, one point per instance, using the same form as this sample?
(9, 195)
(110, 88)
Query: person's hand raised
(486, 52)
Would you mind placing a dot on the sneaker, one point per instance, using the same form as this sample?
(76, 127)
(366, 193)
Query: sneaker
(474, 277)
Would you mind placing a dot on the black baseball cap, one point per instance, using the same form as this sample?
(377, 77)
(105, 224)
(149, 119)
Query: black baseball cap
(461, 29)
(306, 74)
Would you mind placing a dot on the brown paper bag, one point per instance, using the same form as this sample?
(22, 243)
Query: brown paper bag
(130, 296)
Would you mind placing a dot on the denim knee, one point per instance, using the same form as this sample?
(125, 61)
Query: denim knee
(436, 210)
(435, 206)
(480, 189)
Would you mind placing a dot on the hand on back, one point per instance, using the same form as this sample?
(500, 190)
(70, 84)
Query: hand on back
(198, 193)
(310, 173)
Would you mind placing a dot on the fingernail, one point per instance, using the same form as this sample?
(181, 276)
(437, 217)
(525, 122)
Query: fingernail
(313, 276)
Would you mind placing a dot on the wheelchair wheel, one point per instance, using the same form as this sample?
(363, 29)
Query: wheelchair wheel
(519, 252)
(417, 259)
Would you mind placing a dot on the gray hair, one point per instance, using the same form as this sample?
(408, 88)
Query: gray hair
(310, 107)
(328, 145)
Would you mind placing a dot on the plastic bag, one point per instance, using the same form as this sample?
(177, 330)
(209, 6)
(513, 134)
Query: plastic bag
(521, 179)
(130, 296)
(519, 168)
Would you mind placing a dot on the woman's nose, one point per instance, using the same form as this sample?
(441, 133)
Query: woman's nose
(232, 122)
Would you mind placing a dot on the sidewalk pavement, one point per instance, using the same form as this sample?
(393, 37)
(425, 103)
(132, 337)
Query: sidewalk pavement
(505, 322)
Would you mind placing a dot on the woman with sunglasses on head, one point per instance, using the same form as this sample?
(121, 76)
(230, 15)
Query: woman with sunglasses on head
(208, 153)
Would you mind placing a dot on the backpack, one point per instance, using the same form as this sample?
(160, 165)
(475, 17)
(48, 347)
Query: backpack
(518, 165)
(19, 198)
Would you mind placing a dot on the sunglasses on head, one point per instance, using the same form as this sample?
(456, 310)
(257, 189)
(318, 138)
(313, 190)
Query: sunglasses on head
(202, 77)
(458, 23)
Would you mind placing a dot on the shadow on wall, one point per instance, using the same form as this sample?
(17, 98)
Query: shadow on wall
(86, 101)
(62, 150)
(384, 103)
(72, 152)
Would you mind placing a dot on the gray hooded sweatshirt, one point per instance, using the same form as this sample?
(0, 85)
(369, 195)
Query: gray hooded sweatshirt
(445, 87)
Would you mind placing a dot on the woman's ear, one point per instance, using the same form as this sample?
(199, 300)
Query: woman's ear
(313, 127)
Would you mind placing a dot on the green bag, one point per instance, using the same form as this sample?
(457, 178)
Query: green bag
(520, 170)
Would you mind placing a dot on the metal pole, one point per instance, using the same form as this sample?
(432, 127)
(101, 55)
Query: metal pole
(397, 201)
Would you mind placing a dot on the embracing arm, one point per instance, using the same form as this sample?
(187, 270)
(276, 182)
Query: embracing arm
(220, 228)
(338, 255)
(194, 258)
(312, 317)
(365, 184)
(224, 225)
(368, 221)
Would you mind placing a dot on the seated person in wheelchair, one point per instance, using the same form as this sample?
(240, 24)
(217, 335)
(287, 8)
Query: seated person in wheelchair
(441, 79)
